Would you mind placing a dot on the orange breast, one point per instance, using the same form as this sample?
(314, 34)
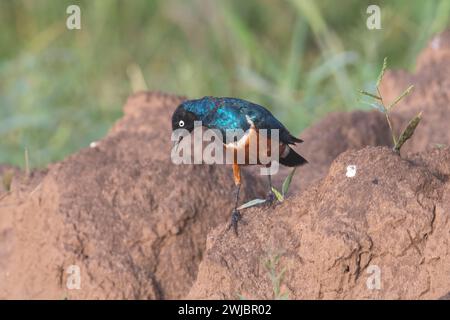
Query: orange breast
(250, 149)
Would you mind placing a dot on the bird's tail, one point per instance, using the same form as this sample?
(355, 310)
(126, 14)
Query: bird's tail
(290, 158)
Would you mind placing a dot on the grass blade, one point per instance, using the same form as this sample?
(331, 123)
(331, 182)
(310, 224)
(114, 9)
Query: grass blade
(7, 179)
(400, 97)
(27, 163)
(287, 182)
(383, 69)
(370, 94)
(251, 203)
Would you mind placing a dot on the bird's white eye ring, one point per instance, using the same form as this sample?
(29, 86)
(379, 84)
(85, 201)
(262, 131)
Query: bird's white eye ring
(181, 123)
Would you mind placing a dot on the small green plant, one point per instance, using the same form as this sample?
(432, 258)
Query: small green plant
(276, 277)
(285, 187)
(279, 195)
(379, 104)
(7, 180)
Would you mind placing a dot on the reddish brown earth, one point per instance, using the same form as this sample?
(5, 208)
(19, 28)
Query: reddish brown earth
(393, 215)
(139, 226)
(133, 222)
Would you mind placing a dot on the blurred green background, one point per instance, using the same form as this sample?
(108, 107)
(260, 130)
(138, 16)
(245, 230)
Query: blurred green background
(61, 89)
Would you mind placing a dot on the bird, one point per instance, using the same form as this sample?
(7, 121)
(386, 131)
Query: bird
(233, 114)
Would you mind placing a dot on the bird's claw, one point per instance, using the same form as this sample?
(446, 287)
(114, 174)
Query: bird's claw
(235, 218)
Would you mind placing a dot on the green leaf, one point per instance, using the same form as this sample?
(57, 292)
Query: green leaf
(278, 194)
(408, 132)
(400, 97)
(287, 182)
(251, 203)
(383, 69)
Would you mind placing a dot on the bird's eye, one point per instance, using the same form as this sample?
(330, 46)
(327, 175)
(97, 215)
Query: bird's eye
(181, 123)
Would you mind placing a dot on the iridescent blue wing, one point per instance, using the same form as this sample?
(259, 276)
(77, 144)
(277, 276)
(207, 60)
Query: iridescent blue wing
(229, 120)
(262, 118)
(237, 115)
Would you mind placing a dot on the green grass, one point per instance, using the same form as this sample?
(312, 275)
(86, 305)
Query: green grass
(276, 276)
(61, 89)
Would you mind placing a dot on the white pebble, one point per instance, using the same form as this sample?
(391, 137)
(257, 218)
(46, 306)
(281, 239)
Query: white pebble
(351, 171)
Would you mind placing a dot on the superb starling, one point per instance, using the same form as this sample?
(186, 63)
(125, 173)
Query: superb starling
(226, 114)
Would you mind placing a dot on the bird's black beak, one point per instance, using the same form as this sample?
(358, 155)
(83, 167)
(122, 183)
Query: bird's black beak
(176, 143)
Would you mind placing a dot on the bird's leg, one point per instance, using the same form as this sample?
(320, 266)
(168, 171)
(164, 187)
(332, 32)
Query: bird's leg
(236, 215)
(270, 195)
